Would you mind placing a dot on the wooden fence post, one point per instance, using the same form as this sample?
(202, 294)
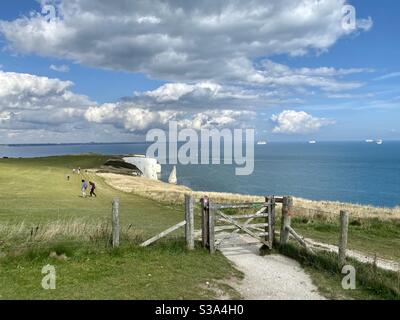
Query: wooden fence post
(115, 223)
(344, 228)
(204, 221)
(266, 229)
(287, 208)
(271, 221)
(211, 230)
(189, 217)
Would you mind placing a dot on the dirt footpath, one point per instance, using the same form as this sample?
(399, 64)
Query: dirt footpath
(273, 277)
(385, 264)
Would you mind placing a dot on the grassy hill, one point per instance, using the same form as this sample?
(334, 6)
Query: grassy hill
(37, 191)
(41, 213)
(44, 220)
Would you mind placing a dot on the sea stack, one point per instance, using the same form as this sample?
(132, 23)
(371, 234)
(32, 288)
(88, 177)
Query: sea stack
(172, 177)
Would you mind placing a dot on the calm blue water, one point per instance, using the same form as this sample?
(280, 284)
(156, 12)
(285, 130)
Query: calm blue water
(354, 172)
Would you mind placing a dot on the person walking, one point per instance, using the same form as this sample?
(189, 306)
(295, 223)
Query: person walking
(84, 188)
(92, 189)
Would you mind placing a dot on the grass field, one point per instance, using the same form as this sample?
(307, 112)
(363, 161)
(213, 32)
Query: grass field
(36, 191)
(128, 273)
(41, 212)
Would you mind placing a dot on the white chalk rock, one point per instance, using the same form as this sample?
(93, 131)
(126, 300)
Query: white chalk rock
(172, 177)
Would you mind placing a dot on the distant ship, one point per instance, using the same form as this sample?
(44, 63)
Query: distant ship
(379, 142)
(369, 141)
(261, 143)
(312, 142)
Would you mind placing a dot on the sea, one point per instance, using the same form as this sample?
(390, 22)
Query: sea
(355, 172)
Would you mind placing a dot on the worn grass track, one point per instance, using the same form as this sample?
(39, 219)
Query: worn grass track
(41, 212)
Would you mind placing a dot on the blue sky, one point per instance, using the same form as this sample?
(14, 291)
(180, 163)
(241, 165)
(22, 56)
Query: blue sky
(124, 77)
(101, 85)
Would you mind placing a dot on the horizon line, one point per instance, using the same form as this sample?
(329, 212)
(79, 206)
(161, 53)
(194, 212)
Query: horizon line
(147, 142)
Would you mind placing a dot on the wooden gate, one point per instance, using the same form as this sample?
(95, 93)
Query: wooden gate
(259, 225)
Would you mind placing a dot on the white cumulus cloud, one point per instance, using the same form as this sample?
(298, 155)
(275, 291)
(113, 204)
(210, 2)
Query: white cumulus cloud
(61, 68)
(180, 40)
(29, 101)
(292, 122)
(136, 118)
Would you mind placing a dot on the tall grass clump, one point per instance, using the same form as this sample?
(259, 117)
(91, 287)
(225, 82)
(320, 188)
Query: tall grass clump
(73, 230)
(373, 281)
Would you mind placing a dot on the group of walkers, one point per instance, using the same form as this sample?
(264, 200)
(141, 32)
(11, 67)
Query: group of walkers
(85, 186)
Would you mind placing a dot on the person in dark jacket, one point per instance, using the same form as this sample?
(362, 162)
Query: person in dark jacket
(92, 189)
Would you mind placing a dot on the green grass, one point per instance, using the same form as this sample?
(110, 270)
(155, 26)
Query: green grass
(371, 283)
(372, 236)
(36, 192)
(165, 271)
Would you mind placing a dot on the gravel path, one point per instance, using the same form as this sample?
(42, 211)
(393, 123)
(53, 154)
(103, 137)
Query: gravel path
(272, 277)
(385, 264)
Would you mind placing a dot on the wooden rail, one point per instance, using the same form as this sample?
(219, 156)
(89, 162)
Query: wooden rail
(218, 206)
(163, 234)
(246, 216)
(188, 223)
(299, 239)
(252, 226)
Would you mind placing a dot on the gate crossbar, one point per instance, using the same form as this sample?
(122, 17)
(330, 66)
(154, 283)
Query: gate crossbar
(244, 228)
